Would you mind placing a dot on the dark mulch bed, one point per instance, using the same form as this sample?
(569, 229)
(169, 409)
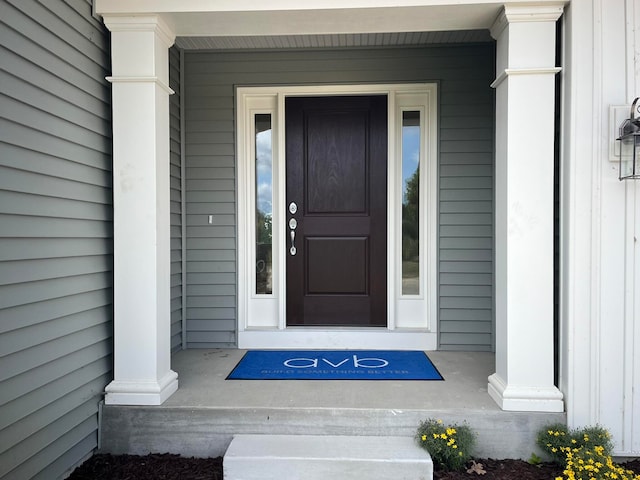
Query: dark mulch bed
(516, 469)
(506, 470)
(174, 467)
(148, 467)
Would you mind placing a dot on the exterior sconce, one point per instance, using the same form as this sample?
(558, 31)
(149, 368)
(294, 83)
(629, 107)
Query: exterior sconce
(629, 139)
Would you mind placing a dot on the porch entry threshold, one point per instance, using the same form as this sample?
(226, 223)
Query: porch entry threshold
(335, 365)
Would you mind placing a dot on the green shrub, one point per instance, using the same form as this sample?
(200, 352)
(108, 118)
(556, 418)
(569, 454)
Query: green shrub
(450, 446)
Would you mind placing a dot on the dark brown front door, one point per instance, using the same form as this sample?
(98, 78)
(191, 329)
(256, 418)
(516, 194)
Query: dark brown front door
(336, 149)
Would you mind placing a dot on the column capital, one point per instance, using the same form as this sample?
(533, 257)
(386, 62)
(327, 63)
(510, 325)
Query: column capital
(141, 23)
(525, 13)
(140, 49)
(524, 71)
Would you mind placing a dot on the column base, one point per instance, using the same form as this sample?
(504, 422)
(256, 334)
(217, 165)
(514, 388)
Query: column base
(141, 392)
(523, 398)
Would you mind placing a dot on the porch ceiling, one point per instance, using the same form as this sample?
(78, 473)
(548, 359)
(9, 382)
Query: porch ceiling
(331, 41)
(334, 21)
(225, 24)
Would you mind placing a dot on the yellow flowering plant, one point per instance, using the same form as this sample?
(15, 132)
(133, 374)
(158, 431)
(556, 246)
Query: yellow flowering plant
(555, 438)
(585, 453)
(584, 463)
(450, 446)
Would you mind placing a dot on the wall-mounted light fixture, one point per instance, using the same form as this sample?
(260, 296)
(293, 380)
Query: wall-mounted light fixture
(629, 154)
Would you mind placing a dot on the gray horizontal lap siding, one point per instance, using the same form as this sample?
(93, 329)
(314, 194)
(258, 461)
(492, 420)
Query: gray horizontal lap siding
(55, 235)
(465, 210)
(465, 229)
(176, 200)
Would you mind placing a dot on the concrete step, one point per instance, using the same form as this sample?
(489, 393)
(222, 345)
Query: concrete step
(320, 457)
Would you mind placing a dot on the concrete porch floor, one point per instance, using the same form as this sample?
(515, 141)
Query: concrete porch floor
(201, 418)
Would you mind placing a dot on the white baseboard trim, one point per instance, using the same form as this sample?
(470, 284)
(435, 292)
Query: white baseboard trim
(353, 338)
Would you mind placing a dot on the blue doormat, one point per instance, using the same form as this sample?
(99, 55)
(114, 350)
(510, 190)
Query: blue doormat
(334, 365)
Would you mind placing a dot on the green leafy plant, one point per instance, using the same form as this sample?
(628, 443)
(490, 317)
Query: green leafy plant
(534, 459)
(450, 446)
(585, 453)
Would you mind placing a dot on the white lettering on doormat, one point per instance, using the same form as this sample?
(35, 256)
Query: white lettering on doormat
(370, 362)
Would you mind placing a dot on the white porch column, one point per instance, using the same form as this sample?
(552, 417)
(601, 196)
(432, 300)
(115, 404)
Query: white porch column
(140, 66)
(525, 71)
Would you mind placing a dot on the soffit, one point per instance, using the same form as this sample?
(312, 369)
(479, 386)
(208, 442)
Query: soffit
(334, 21)
(272, 42)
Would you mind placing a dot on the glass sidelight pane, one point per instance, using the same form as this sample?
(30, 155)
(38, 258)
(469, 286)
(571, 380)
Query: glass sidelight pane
(264, 201)
(410, 202)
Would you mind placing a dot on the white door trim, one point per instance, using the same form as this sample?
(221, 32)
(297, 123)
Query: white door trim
(411, 320)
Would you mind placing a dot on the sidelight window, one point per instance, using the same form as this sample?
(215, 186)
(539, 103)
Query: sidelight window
(411, 140)
(263, 154)
(415, 204)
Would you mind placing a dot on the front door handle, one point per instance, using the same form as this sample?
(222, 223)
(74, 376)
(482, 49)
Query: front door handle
(293, 250)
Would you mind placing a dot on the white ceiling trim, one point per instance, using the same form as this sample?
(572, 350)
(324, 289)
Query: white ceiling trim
(200, 6)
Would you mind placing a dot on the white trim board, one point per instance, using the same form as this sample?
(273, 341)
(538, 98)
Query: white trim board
(302, 338)
(262, 318)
